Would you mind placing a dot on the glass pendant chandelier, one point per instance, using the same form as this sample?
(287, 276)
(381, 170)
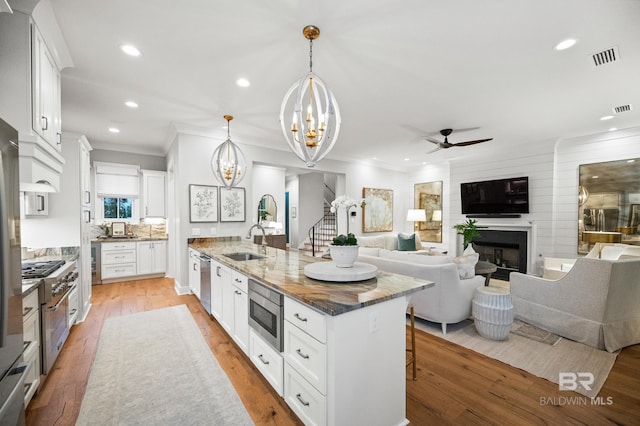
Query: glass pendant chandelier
(315, 117)
(228, 162)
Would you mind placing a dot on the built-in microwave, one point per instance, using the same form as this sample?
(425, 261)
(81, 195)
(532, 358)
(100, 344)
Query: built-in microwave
(266, 313)
(36, 204)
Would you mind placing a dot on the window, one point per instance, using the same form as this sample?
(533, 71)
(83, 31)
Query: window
(118, 208)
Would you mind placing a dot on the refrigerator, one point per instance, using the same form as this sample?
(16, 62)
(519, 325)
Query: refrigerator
(12, 368)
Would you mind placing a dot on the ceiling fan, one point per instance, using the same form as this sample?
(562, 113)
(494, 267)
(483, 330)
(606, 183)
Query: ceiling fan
(445, 144)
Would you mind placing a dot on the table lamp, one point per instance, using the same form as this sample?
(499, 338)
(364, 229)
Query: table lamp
(416, 215)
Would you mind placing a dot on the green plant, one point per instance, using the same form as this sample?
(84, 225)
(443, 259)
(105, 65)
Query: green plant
(468, 230)
(345, 240)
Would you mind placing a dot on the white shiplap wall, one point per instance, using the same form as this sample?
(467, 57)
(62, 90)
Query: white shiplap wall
(534, 160)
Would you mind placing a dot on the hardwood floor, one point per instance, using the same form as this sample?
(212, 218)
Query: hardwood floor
(454, 385)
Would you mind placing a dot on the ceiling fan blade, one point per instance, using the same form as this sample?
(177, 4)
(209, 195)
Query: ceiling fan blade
(434, 150)
(467, 143)
(432, 140)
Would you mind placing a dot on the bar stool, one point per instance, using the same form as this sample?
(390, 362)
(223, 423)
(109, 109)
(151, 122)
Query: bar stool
(412, 358)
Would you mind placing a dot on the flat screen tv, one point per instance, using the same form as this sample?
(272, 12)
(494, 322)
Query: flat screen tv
(495, 197)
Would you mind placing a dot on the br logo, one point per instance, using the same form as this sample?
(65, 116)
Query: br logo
(571, 381)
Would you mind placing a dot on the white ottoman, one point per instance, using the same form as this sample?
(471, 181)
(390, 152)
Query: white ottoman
(492, 312)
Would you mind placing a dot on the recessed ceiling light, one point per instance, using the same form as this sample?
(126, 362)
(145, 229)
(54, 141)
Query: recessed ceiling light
(130, 50)
(565, 44)
(606, 117)
(613, 129)
(114, 130)
(595, 177)
(407, 159)
(131, 104)
(243, 82)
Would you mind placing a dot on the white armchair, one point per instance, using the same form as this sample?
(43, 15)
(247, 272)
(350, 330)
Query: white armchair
(597, 302)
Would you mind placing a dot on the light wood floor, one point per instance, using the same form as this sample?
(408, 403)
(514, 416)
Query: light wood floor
(454, 386)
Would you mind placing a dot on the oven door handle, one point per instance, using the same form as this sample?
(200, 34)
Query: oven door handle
(62, 299)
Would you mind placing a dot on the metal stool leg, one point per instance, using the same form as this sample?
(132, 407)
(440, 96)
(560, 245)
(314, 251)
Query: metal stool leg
(412, 359)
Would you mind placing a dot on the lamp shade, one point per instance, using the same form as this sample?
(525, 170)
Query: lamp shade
(437, 216)
(416, 215)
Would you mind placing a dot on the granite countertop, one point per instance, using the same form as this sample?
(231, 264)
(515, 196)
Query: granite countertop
(125, 239)
(284, 271)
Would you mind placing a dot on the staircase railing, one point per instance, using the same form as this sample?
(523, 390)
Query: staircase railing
(322, 230)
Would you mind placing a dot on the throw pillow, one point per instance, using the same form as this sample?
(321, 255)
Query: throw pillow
(406, 242)
(466, 265)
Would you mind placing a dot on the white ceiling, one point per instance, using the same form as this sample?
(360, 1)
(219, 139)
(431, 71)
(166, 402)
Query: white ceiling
(400, 70)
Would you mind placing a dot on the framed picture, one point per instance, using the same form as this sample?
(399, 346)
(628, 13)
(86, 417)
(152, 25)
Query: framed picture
(377, 213)
(232, 205)
(428, 197)
(203, 203)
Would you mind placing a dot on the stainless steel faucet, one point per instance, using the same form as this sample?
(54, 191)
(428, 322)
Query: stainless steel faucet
(264, 234)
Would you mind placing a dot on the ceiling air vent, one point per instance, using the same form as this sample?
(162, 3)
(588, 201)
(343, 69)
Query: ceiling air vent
(622, 108)
(606, 56)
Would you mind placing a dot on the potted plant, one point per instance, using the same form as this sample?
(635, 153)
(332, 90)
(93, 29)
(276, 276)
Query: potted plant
(344, 250)
(468, 230)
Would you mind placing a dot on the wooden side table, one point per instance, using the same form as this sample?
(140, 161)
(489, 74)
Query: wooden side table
(486, 269)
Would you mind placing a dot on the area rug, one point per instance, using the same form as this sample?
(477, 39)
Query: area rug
(529, 331)
(536, 356)
(155, 368)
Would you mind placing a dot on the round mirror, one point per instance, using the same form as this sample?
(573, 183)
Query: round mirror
(267, 210)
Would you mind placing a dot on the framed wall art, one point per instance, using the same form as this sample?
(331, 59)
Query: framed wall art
(377, 213)
(232, 205)
(428, 197)
(203, 203)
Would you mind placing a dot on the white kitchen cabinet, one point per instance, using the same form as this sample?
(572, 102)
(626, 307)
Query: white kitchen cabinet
(85, 175)
(267, 360)
(194, 272)
(219, 275)
(154, 184)
(328, 359)
(31, 332)
(46, 118)
(235, 306)
(71, 205)
(151, 257)
(118, 260)
(240, 310)
(30, 87)
(74, 307)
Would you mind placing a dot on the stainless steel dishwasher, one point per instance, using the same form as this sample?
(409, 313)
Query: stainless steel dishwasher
(205, 282)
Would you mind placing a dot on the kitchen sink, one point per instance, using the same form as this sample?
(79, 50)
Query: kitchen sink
(243, 255)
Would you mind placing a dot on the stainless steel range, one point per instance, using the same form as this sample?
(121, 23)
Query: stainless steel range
(59, 280)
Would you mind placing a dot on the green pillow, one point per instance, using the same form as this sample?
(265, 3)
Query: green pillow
(406, 242)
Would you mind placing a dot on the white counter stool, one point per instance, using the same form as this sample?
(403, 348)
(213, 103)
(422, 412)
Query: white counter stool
(412, 358)
(492, 312)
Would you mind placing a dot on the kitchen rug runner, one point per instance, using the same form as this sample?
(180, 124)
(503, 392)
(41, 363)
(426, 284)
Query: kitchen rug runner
(155, 368)
(540, 358)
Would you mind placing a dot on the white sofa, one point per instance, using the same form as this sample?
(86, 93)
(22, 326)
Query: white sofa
(597, 302)
(448, 301)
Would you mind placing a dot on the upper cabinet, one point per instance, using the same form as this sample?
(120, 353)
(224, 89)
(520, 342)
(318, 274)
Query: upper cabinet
(46, 106)
(154, 184)
(33, 52)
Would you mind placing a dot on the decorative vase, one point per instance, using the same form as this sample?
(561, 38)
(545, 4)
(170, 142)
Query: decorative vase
(344, 256)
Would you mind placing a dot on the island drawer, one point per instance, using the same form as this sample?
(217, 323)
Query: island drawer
(267, 361)
(304, 399)
(30, 304)
(240, 280)
(312, 322)
(307, 355)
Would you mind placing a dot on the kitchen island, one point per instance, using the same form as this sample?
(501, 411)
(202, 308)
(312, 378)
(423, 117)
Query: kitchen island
(349, 367)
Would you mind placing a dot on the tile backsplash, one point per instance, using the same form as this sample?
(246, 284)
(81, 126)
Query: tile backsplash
(142, 230)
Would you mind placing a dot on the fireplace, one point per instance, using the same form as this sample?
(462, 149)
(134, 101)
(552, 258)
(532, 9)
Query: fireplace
(506, 249)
